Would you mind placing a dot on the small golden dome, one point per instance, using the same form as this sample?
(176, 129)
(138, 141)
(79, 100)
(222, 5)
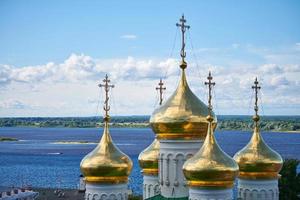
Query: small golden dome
(148, 159)
(210, 166)
(106, 163)
(257, 160)
(182, 116)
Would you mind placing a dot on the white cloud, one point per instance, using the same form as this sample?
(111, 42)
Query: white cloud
(70, 88)
(84, 68)
(129, 37)
(278, 81)
(270, 69)
(5, 73)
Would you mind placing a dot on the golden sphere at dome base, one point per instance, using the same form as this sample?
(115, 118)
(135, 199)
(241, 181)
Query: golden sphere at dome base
(211, 184)
(152, 172)
(181, 130)
(110, 180)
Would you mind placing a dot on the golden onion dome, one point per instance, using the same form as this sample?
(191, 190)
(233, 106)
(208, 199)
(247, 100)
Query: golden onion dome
(257, 160)
(182, 116)
(148, 159)
(210, 166)
(106, 163)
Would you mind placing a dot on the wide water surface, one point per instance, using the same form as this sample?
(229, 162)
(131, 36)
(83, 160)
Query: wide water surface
(33, 159)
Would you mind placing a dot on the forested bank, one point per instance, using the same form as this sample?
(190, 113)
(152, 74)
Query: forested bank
(225, 122)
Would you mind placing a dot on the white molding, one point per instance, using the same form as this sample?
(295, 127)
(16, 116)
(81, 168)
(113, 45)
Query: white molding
(150, 186)
(106, 191)
(210, 194)
(173, 154)
(258, 189)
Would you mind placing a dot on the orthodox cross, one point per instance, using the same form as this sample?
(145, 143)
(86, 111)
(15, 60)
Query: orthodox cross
(107, 87)
(160, 88)
(210, 84)
(183, 30)
(256, 87)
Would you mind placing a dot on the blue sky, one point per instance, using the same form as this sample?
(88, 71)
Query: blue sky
(85, 39)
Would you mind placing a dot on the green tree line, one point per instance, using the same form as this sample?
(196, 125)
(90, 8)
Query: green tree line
(244, 123)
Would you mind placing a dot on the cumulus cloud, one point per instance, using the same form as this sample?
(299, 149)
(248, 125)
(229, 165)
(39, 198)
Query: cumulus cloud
(5, 73)
(278, 81)
(292, 68)
(84, 68)
(128, 37)
(70, 88)
(271, 69)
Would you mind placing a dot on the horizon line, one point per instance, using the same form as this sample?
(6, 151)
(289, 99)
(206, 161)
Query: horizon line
(2, 117)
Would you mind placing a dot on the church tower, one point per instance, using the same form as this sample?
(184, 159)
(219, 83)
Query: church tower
(106, 168)
(210, 172)
(148, 160)
(259, 164)
(180, 126)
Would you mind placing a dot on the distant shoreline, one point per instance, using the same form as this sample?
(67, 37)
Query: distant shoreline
(133, 126)
(288, 124)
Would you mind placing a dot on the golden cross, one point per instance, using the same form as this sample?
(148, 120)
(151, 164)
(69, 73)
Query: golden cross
(160, 88)
(210, 84)
(183, 30)
(107, 87)
(256, 87)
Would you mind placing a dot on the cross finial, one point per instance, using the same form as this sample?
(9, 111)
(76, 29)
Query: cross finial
(183, 28)
(256, 88)
(107, 87)
(160, 88)
(210, 84)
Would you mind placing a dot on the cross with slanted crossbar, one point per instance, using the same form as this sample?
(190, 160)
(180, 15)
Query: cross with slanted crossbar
(160, 88)
(183, 29)
(256, 87)
(107, 87)
(210, 84)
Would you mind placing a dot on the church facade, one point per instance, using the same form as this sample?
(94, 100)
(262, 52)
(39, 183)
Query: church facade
(191, 164)
(185, 161)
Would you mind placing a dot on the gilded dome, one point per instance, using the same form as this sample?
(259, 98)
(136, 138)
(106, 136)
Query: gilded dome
(257, 160)
(148, 159)
(210, 166)
(182, 116)
(106, 163)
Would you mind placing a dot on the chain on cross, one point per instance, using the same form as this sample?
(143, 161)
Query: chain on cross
(210, 84)
(183, 28)
(107, 87)
(160, 88)
(256, 88)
